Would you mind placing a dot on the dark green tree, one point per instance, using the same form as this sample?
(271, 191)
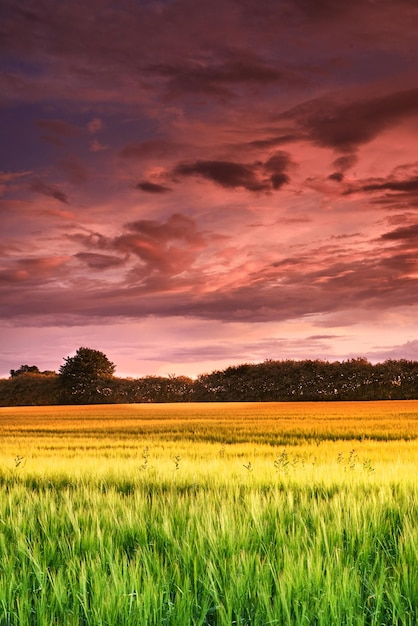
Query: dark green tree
(87, 377)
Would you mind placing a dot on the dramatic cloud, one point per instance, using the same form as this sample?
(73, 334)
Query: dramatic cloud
(403, 234)
(394, 185)
(99, 261)
(253, 177)
(217, 179)
(344, 127)
(225, 173)
(402, 184)
(167, 248)
(147, 248)
(150, 187)
(345, 162)
(342, 164)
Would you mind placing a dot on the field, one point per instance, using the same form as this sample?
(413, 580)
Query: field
(210, 514)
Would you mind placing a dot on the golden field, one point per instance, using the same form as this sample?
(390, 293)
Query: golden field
(220, 442)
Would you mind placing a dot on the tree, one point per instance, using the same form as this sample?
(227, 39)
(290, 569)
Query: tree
(86, 377)
(30, 388)
(25, 369)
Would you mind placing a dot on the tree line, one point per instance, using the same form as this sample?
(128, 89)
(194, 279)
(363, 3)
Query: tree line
(88, 378)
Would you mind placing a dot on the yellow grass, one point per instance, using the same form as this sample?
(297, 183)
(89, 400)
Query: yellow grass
(239, 442)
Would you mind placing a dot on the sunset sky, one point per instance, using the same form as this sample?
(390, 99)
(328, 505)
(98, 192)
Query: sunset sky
(187, 185)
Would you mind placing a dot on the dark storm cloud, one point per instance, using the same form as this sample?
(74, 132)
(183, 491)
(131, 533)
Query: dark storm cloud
(225, 173)
(406, 186)
(276, 166)
(272, 142)
(401, 184)
(290, 262)
(344, 127)
(49, 190)
(256, 177)
(344, 163)
(150, 187)
(337, 176)
(403, 233)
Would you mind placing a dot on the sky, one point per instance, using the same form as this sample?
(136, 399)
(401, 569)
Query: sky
(188, 185)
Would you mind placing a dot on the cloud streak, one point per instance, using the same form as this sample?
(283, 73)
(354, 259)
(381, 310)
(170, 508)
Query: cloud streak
(49, 190)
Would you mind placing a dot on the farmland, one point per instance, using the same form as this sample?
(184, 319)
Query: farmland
(217, 514)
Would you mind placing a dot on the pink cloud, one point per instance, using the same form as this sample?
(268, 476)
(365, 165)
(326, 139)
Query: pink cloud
(249, 171)
(95, 125)
(96, 146)
(32, 270)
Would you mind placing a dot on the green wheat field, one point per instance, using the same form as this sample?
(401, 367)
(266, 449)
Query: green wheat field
(209, 514)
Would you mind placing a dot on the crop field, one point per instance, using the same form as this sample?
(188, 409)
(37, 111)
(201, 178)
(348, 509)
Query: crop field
(209, 514)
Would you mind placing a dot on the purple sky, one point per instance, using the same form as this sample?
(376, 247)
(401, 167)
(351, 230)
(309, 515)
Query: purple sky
(186, 185)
